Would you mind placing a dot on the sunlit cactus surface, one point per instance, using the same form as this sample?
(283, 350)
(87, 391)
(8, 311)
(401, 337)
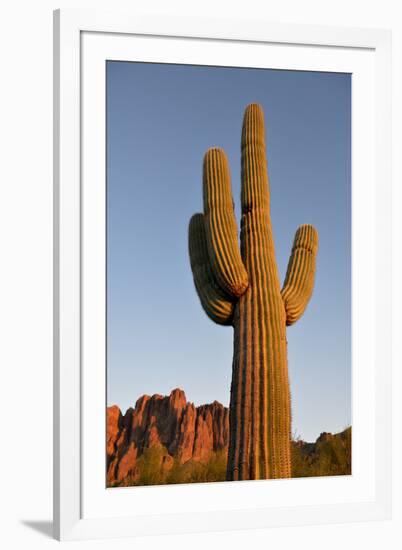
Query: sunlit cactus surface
(240, 286)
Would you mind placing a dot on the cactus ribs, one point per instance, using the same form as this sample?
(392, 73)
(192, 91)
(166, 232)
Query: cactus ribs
(240, 287)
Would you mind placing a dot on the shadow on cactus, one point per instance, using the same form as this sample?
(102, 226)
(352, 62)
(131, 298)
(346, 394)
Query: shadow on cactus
(239, 286)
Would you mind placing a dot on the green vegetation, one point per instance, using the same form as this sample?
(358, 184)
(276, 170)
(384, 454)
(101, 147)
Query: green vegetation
(150, 466)
(197, 472)
(330, 455)
(156, 467)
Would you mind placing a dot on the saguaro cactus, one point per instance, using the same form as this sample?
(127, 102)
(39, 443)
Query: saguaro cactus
(240, 287)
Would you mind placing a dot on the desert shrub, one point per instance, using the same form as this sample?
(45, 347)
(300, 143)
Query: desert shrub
(326, 457)
(329, 456)
(148, 468)
(198, 472)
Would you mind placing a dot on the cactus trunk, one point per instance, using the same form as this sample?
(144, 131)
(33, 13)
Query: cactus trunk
(260, 397)
(260, 411)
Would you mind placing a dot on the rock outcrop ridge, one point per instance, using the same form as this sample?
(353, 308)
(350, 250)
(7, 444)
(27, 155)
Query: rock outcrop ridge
(187, 432)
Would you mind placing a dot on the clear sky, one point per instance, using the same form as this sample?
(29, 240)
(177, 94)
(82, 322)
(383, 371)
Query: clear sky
(160, 121)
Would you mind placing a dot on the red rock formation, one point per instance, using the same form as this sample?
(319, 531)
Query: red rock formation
(187, 432)
(113, 428)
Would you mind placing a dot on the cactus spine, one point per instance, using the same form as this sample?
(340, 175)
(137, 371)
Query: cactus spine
(240, 287)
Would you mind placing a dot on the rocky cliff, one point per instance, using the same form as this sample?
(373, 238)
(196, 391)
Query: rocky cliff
(166, 439)
(184, 432)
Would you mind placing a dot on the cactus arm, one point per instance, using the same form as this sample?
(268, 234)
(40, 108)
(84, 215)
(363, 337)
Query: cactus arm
(215, 304)
(299, 280)
(242, 288)
(220, 225)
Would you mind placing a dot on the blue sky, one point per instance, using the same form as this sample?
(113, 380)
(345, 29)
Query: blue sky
(160, 121)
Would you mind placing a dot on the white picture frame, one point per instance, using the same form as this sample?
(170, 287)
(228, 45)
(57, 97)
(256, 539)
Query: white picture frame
(83, 507)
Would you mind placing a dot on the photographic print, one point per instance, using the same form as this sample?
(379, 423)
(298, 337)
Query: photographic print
(228, 274)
